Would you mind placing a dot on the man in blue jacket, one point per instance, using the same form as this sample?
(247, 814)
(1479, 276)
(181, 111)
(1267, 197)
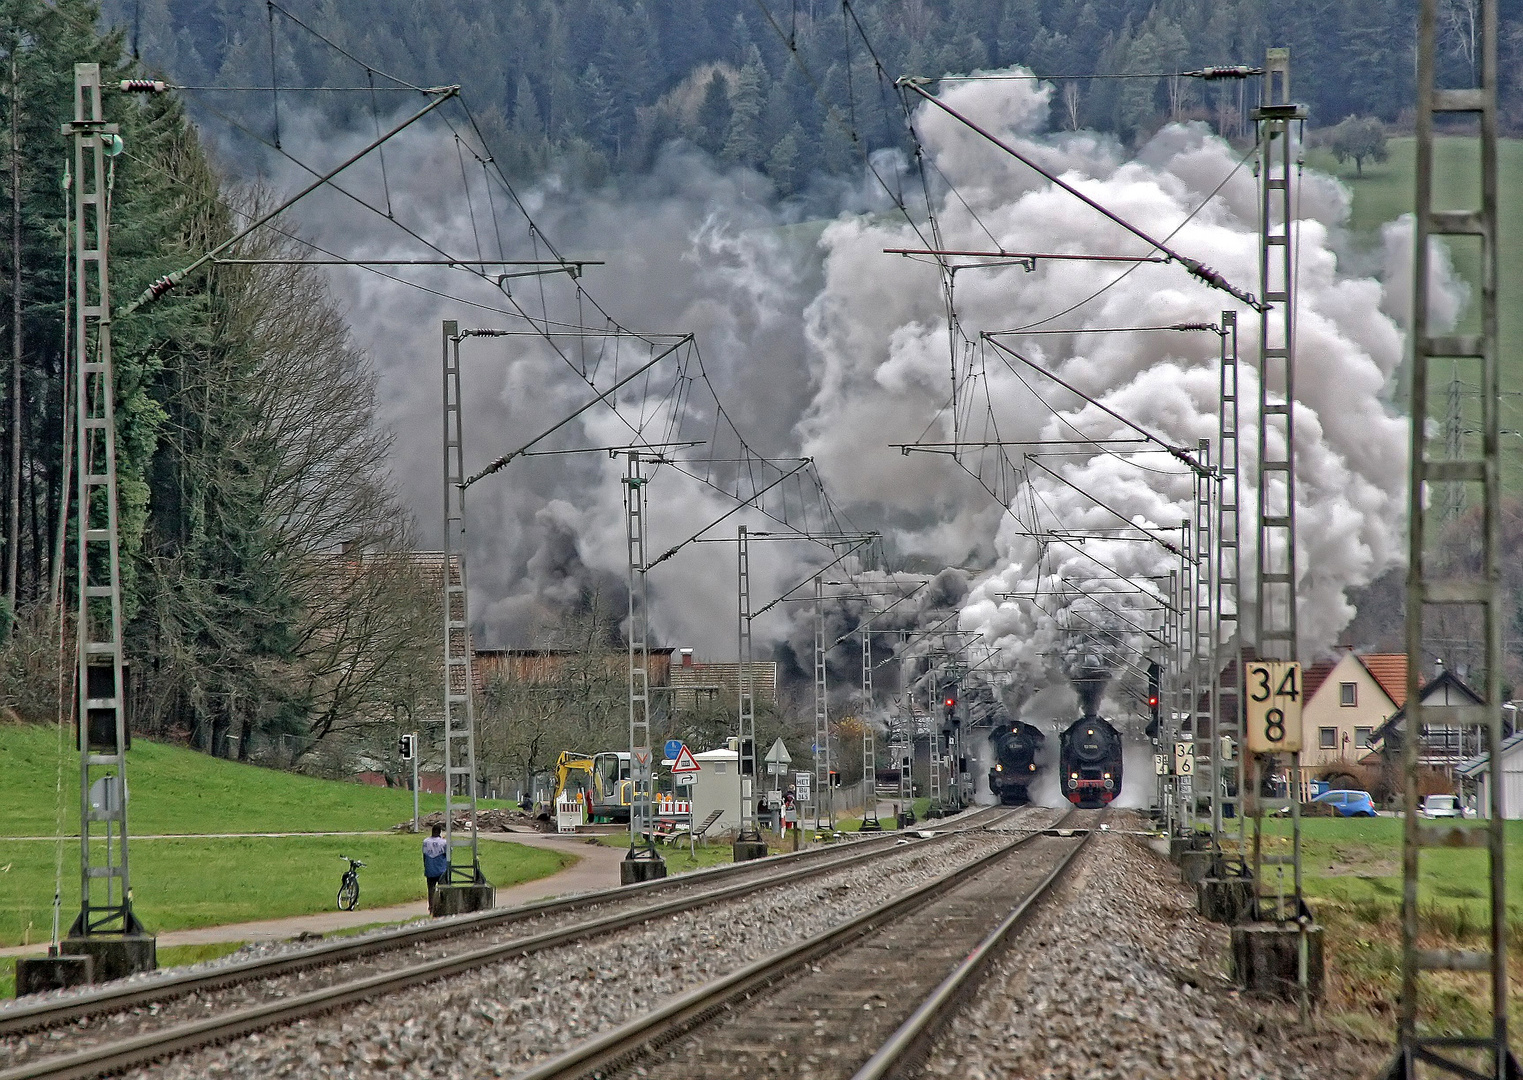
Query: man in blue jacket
(435, 861)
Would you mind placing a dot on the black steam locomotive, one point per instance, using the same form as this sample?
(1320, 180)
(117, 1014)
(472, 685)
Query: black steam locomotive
(1015, 747)
(1089, 758)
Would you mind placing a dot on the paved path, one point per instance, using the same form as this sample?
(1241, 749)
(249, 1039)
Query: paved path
(135, 837)
(596, 867)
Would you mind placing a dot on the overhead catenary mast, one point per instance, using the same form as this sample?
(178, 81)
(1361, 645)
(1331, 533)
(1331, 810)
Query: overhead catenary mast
(1470, 584)
(107, 928)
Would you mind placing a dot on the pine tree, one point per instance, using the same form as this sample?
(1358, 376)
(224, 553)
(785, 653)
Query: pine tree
(742, 145)
(782, 163)
(714, 114)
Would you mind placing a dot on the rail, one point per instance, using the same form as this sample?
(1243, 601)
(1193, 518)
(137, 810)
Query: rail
(110, 1056)
(623, 1046)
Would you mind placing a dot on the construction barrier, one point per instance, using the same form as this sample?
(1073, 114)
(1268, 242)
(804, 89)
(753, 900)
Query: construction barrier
(569, 814)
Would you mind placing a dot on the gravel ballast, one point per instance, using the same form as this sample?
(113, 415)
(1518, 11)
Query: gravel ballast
(1117, 977)
(557, 996)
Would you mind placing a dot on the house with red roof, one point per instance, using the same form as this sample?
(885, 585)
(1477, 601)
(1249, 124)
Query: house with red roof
(1346, 698)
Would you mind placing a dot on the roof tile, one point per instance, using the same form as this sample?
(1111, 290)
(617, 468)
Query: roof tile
(1390, 671)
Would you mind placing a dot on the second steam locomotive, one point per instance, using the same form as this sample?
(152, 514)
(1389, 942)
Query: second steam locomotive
(1015, 747)
(1089, 762)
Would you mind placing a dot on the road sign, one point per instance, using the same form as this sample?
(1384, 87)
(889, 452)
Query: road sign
(685, 762)
(778, 755)
(1184, 759)
(1273, 707)
(672, 748)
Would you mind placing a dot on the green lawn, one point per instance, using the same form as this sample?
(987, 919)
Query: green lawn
(175, 790)
(180, 884)
(204, 881)
(1356, 862)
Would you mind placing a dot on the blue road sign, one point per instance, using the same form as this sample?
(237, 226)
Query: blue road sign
(672, 748)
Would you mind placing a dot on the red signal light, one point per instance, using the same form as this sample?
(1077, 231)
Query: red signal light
(951, 703)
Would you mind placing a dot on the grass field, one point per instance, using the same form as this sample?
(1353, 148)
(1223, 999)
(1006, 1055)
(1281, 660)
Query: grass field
(1357, 862)
(175, 790)
(179, 884)
(199, 880)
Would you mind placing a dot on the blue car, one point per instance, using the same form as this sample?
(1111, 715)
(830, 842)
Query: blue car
(1348, 803)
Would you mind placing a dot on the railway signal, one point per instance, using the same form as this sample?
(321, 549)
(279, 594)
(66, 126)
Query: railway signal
(1155, 684)
(407, 747)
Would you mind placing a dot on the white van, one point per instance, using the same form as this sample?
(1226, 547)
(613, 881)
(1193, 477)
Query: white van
(1441, 806)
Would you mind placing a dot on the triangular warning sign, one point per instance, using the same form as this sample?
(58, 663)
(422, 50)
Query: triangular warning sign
(685, 761)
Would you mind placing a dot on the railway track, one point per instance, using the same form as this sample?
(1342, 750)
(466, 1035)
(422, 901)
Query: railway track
(391, 961)
(843, 1003)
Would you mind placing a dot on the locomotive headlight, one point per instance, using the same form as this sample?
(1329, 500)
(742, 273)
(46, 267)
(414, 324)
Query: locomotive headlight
(999, 768)
(1031, 767)
(1107, 776)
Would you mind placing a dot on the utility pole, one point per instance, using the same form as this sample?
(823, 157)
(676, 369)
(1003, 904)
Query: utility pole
(106, 940)
(1203, 648)
(1474, 589)
(906, 752)
(13, 522)
(1454, 442)
(1226, 704)
(823, 799)
(1291, 953)
(644, 862)
(748, 843)
(870, 821)
(1188, 636)
(464, 888)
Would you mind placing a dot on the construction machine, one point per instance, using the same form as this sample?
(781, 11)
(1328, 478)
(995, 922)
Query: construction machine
(601, 780)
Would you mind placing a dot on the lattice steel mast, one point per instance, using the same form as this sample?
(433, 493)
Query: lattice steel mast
(870, 821)
(643, 861)
(105, 887)
(749, 834)
(822, 796)
(1470, 588)
(1275, 628)
(1203, 617)
(459, 683)
(1226, 705)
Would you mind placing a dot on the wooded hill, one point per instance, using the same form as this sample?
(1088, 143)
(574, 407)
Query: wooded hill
(247, 452)
(607, 82)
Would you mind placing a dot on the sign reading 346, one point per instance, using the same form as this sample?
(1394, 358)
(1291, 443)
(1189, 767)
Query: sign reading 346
(1272, 706)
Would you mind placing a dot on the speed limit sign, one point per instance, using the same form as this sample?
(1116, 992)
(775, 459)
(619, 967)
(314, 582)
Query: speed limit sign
(1273, 706)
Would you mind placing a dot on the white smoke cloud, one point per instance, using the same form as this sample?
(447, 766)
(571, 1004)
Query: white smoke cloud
(821, 344)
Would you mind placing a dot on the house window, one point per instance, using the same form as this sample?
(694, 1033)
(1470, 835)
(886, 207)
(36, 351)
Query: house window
(1329, 738)
(1362, 737)
(1348, 694)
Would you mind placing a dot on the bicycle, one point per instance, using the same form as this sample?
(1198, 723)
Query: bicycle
(349, 887)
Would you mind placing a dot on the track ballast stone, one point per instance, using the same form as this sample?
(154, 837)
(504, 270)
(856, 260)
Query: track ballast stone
(1117, 978)
(496, 1020)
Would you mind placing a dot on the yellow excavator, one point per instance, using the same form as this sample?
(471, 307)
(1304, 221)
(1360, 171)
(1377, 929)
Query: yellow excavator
(601, 780)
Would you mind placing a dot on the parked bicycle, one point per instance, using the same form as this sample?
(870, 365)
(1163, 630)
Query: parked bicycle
(349, 887)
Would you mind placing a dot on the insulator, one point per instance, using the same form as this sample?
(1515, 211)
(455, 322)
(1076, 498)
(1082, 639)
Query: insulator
(1226, 71)
(143, 86)
(163, 285)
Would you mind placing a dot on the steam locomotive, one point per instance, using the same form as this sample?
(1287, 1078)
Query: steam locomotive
(1089, 760)
(1015, 747)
